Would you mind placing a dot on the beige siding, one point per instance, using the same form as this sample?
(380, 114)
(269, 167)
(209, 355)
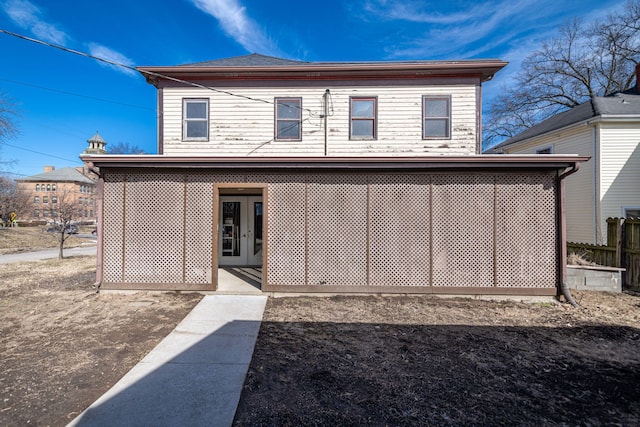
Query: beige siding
(579, 187)
(620, 168)
(243, 127)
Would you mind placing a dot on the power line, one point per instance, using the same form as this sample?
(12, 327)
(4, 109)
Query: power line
(78, 95)
(150, 73)
(38, 152)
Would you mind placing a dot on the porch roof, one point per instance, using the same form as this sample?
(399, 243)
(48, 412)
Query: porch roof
(488, 161)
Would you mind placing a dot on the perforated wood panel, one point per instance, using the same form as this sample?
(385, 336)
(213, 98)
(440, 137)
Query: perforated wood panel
(199, 229)
(436, 231)
(399, 230)
(337, 230)
(462, 230)
(112, 227)
(286, 225)
(526, 237)
(154, 229)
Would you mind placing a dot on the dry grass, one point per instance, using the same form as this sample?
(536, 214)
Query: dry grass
(25, 239)
(62, 345)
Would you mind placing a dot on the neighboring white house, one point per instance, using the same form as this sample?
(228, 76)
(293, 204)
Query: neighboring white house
(608, 130)
(330, 177)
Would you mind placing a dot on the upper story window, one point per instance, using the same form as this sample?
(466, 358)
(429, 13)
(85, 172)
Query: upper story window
(545, 150)
(36, 199)
(48, 187)
(195, 119)
(45, 199)
(54, 199)
(53, 187)
(289, 119)
(363, 117)
(436, 117)
(37, 187)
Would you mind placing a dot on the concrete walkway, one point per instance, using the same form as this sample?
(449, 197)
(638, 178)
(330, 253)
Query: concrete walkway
(47, 254)
(194, 377)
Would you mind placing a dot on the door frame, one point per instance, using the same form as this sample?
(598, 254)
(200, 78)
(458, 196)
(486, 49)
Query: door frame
(238, 189)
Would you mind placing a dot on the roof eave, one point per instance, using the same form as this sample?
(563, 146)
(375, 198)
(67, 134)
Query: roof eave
(484, 69)
(332, 163)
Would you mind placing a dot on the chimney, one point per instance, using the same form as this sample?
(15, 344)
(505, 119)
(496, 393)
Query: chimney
(49, 169)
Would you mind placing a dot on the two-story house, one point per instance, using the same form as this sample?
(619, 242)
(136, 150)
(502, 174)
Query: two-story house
(607, 129)
(330, 177)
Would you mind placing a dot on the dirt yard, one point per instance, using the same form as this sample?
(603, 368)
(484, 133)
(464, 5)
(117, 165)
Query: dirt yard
(420, 360)
(350, 360)
(62, 345)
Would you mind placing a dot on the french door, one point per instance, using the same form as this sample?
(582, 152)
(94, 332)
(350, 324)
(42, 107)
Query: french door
(240, 231)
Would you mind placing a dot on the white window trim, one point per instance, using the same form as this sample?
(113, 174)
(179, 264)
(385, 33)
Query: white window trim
(185, 120)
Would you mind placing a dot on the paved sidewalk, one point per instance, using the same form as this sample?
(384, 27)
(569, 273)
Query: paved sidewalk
(194, 377)
(47, 254)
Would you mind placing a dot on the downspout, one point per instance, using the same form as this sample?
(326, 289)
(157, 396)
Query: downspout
(562, 235)
(99, 227)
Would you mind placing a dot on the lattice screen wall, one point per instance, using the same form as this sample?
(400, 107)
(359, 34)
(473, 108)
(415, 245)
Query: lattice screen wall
(435, 231)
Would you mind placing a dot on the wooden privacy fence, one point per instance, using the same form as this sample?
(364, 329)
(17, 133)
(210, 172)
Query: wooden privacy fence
(622, 249)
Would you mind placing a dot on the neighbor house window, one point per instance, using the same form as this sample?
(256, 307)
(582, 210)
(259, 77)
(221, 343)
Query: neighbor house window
(631, 212)
(289, 119)
(436, 117)
(36, 199)
(363, 117)
(195, 119)
(545, 150)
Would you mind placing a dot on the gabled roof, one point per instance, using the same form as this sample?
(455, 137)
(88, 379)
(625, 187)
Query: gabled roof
(252, 60)
(619, 105)
(59, 175)
(261, 67)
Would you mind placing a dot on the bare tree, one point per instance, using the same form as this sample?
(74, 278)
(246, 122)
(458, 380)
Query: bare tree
(8, 128)
(12, 199)
(63, 216)
(124, 148)
(582, 62)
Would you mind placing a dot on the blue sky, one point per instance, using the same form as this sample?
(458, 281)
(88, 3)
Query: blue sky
(63, 99)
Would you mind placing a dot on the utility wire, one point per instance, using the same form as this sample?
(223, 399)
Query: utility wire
(78, 95)
(150, 73)
(38, 152)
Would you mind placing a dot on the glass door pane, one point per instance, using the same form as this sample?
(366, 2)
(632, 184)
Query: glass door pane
(257, 227)
(231, 229)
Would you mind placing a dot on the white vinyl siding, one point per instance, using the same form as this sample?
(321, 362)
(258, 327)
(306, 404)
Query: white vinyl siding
(579, 187)
(242, 127)
(620, 168)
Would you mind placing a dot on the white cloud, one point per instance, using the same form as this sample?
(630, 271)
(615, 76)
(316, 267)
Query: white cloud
(29, 17)
(237, 24)
(111, 55)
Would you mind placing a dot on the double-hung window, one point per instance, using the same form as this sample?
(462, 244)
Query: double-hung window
(436, 117)
(363, 116)
(195, 119)
(288, 119)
